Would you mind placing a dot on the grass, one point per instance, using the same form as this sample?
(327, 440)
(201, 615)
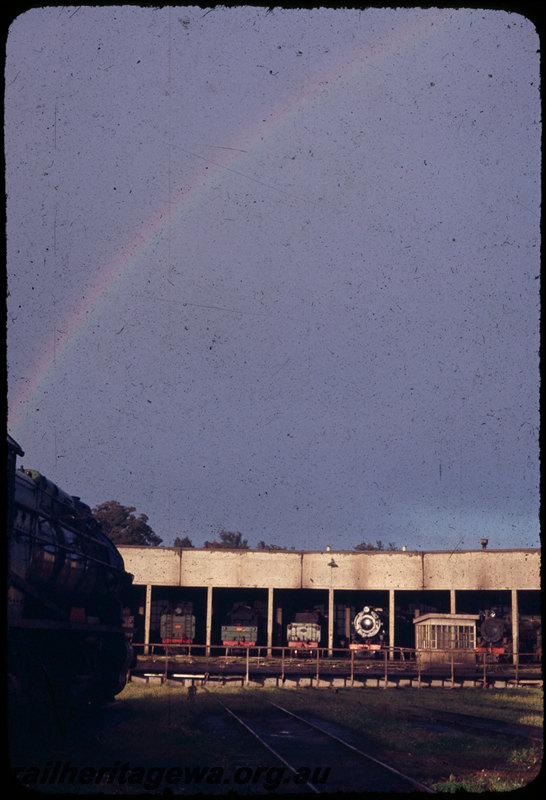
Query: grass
(164, 725)
(159, 729)
(391, 722)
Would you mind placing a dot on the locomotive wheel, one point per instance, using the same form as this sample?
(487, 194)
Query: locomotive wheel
(113, 664)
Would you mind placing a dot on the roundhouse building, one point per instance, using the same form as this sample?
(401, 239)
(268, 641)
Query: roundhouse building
(337, 584)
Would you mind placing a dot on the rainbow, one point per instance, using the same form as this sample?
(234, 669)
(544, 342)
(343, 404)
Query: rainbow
(416, 28)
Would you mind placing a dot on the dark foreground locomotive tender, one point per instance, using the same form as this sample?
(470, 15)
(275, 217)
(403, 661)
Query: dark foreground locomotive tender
(66, 583)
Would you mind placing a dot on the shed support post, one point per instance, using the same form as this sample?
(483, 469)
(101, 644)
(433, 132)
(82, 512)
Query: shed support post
(391, 624)
(278, 620)
(330, 620)
(269, 620)
(147, 617)
(208, 621)
(452, 604)
(515, 627)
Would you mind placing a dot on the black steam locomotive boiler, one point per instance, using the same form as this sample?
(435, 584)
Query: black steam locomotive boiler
(66, 583)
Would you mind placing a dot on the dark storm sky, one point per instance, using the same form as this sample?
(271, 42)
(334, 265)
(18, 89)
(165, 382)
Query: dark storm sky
(278, 272)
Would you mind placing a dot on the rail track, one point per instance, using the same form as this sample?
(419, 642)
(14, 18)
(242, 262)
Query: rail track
(332, 764)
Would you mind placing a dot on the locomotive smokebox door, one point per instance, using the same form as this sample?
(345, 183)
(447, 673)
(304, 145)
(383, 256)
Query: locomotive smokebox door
(367, 623)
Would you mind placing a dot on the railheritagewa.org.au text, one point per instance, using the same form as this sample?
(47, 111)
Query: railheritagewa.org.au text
(151, 778)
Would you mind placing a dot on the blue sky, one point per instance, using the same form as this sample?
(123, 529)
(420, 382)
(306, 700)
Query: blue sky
(278, 272)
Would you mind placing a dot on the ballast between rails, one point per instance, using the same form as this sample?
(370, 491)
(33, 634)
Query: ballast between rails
(268, 747)
(421, 787)
(416, 785)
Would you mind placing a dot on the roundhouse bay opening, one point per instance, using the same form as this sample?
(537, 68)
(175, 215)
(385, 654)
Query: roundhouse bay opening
(411, 604)
(370, 609)
(530, 625)
(300, 619)
(239, 618)
(178, 615)
(497, 636)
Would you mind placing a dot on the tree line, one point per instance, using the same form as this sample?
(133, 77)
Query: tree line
(122, 526)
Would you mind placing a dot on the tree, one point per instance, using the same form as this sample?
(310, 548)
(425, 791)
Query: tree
(377, 546)
(263, 546)
(185, 542)
(228, 539)
(122, 527)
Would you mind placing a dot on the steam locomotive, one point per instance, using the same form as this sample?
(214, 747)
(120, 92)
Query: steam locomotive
(495, 636)
(241, 628)
(66, 584)
(491, 640)
(177, 625)
(306, 631)
(368, 631)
